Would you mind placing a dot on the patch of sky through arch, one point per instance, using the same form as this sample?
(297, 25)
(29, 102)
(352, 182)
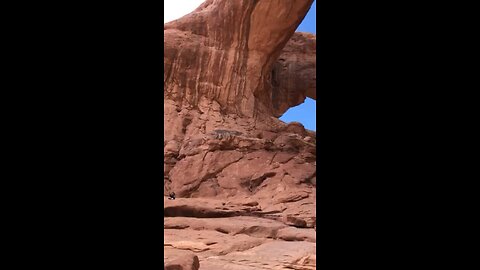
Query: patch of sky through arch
(305, 113)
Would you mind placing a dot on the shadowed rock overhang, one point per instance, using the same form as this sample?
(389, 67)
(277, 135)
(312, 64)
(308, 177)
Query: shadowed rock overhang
(245, 55)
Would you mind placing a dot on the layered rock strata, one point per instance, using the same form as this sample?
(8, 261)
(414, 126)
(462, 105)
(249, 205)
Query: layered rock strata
(232, 67)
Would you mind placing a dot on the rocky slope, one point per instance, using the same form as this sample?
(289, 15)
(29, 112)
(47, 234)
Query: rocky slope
(245, 181)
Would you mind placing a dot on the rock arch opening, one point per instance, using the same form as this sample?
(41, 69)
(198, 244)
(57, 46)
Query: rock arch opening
(304, 113)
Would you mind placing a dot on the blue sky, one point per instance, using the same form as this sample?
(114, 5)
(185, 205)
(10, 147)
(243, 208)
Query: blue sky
(305, 113)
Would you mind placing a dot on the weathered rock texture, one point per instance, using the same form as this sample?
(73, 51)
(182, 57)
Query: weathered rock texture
(244, 180)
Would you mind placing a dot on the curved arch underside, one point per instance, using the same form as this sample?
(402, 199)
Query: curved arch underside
(257, 65)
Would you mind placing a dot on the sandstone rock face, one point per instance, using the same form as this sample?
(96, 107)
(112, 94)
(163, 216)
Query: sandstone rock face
(245, 181)
(226, 51)
(293, 75)
(180, 260)
(235, 234)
